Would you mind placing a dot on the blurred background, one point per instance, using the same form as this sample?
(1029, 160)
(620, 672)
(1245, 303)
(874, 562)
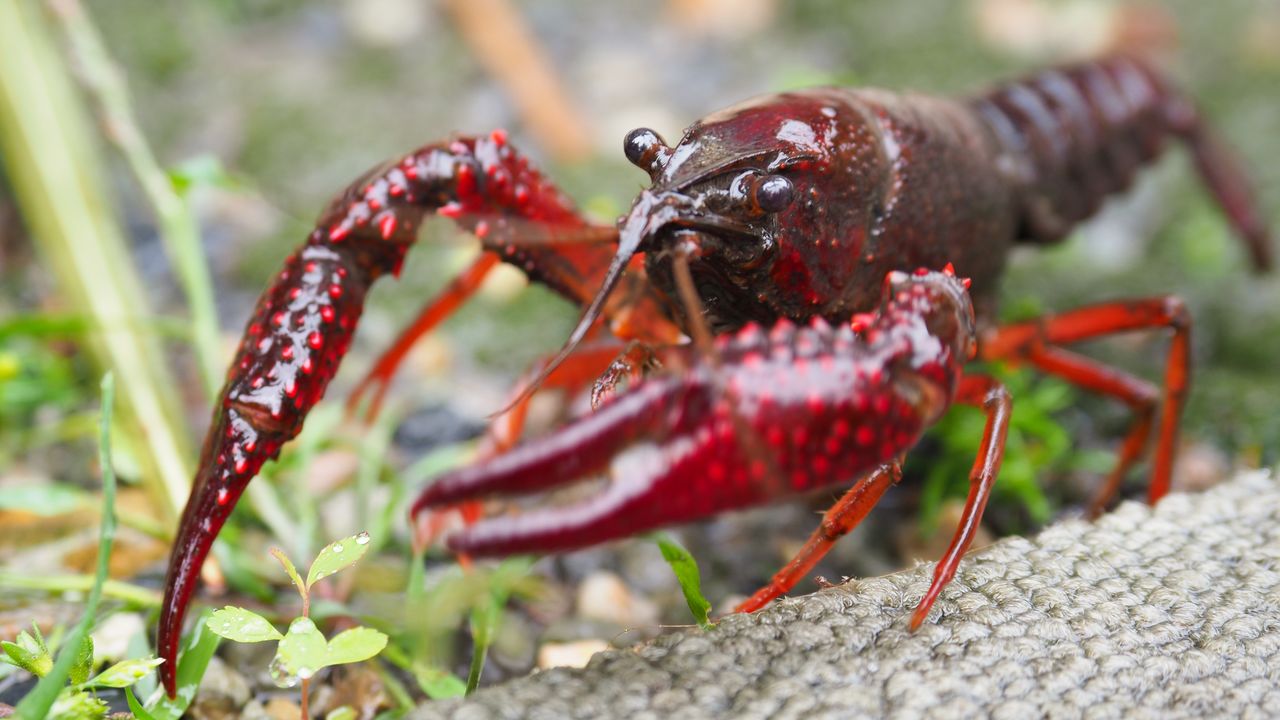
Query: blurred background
(261, 110)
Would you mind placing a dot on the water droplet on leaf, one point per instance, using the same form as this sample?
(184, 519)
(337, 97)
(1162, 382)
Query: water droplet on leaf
(281, 677)
(362, 538)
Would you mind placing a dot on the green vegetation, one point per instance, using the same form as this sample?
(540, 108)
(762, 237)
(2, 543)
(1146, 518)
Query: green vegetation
(303, 650)
(686, 571)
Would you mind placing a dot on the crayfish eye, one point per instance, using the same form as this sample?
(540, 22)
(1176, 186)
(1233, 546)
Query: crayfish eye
(646, 150)
(772, 193)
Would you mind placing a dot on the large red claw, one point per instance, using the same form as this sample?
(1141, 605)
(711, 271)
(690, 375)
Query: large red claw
(582, 448)
(304, 321)
(781, 414)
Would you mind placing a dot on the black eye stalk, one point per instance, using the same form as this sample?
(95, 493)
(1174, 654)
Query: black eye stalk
(762, 194)
(772, 194)
(646, 150)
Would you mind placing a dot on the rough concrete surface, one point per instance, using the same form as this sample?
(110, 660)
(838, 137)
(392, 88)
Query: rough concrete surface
(1171, 612)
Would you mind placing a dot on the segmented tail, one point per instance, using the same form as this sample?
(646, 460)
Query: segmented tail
(1072, 136)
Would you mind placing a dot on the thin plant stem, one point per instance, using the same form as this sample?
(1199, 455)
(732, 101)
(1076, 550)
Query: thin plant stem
(37, 702)
(177, 224)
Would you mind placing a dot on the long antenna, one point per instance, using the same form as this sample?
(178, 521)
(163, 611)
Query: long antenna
(628, 243)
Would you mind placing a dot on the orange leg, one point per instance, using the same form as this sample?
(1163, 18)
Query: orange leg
(838, 521)
(1033, 342)
(991, 396)
(433, 313)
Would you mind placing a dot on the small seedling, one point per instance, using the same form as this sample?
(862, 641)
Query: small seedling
(31, 653)
(686, 570)
(303, 650)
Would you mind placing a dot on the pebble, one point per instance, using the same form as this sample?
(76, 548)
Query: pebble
(223, 692)
(111, 639)
(570, 654)
(604, 596)
(1198, 467)
(278, 708)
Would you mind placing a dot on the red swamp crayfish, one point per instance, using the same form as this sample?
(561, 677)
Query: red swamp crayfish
(791, 228)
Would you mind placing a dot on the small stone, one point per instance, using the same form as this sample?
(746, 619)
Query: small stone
(1198, 467)
(570, 654)
(604, 596)
(254, 711)
(222, 692)
(111, 638)
(279, 708)
(360, 688)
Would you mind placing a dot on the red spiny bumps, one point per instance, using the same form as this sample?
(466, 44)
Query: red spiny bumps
(283, 384)
(827, 406)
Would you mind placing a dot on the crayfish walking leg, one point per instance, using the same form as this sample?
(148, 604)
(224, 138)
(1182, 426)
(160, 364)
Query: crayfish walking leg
(853, 507)
(1038, 341)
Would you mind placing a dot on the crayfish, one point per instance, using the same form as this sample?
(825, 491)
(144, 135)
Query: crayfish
(783, 235)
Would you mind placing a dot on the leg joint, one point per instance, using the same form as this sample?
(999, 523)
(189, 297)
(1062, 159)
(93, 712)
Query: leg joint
(1175, 310)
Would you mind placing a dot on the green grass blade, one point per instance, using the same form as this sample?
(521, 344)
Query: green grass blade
(484, 622)
(686, 570)
(133, 596)
(36, 704)
(136, 708)
(52, 160)
(195, 655)
(178, 228)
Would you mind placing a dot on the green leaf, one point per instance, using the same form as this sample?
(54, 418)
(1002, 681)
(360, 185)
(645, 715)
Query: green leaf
(83, 665)
(355, 645)
(37, 703)
(194, 659)
(686, 570)
(139, 647)
(125, 673)
(346, 712)
(302, 651)
(35, 637)
(284, 560)
(135, 707)
(30, 652)
(337, 555)
(240, 625)
(439, 684)
(36, 661)
(76, 705)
